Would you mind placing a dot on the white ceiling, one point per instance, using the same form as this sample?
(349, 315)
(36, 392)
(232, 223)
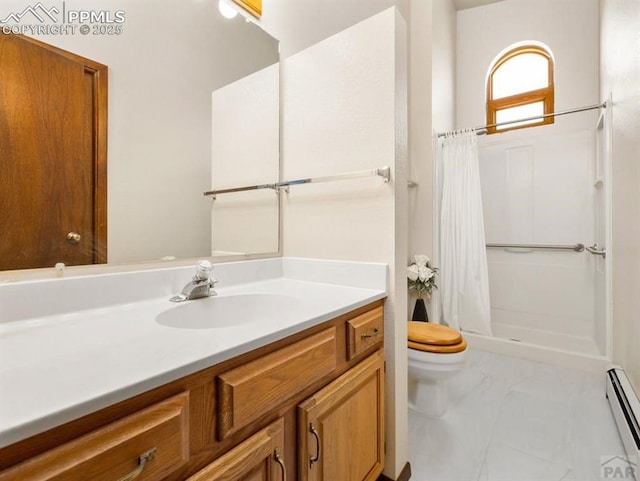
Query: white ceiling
(463, 4)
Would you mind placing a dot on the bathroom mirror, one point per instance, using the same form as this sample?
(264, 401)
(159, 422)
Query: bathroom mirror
(193, 106)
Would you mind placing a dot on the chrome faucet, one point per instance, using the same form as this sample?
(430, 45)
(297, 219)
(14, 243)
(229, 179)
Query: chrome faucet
(200, 286)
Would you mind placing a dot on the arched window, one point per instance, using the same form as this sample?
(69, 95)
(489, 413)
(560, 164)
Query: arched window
(520, 85)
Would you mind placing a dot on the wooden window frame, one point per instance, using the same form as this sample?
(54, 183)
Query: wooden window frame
(545, 95)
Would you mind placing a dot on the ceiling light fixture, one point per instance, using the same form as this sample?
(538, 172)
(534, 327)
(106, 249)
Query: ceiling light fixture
(226, 9)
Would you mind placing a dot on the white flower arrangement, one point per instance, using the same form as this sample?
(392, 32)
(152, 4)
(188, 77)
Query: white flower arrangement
(422, 276)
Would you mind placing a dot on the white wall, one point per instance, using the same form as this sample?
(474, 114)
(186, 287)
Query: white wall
(298, 24)
(431, 108)
(344, 109)
(568, 27)
(620, 76)
(443, 65)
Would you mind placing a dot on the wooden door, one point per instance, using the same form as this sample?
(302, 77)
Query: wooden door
(259, 458)
(341, 428)
(52, 156)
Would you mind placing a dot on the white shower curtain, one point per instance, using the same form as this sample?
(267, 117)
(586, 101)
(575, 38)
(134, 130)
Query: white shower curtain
(464, 277)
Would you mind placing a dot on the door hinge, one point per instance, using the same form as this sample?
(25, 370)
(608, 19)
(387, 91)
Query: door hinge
(384, 366)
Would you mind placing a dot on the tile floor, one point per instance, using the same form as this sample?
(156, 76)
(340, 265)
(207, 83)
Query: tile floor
(516, 420)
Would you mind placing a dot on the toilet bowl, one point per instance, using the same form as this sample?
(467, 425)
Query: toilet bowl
(436, 354)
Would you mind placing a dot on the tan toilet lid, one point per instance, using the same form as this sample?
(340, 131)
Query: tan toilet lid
(438, 349)
(433, 334)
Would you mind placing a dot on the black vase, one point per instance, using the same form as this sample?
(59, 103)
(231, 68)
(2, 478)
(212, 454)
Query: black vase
(420, 312)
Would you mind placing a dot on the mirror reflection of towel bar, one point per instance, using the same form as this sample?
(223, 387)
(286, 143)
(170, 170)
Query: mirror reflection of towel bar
(577, 247)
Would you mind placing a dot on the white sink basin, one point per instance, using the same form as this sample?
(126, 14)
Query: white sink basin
(224, 311)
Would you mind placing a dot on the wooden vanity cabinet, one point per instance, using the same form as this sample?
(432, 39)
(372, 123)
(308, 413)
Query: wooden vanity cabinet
(245, 419)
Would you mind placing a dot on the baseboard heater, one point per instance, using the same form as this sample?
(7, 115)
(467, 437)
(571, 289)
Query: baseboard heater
(626, 411)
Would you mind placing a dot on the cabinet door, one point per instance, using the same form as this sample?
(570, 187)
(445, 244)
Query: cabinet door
(341, 427)
(259, 458)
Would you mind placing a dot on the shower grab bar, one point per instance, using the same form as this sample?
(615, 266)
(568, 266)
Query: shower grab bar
(596, 251)
(576, 247)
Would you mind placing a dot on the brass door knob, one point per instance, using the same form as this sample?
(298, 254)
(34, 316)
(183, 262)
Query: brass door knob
(73, 237)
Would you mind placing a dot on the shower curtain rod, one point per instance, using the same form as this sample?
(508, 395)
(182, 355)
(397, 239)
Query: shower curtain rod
(483, 130)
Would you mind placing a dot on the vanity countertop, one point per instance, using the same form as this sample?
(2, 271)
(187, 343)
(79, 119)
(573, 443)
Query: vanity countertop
(57, 368)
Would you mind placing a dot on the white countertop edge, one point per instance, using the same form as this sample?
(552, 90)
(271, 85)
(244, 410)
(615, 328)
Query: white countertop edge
(12, 434)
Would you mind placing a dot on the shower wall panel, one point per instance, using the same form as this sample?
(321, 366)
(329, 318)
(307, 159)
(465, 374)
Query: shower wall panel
(540, 190)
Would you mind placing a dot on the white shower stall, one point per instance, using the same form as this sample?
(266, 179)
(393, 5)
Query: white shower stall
(546, 203)
(542, 187)
(548, 192)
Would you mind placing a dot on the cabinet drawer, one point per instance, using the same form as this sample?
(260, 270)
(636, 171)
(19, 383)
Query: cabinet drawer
(255, 388)
(118, 449)
(364, 331)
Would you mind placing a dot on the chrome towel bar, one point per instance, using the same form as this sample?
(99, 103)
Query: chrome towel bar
(384, 172)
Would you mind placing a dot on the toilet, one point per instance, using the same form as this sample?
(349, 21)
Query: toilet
(436, 354)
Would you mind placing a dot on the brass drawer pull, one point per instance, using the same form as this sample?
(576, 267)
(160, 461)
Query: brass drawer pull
(367, 335)
(312, 460)
(279, 460)
(143, 460)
